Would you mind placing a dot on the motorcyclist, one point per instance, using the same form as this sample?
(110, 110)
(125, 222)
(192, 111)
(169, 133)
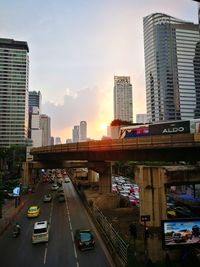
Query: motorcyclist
(17, 228)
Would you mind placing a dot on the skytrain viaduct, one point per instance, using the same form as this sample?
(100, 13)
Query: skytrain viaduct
(98, 156)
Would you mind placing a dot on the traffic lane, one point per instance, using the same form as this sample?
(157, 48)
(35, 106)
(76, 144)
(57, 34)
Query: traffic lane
(60, 247)
(79, 219)
(20, 250)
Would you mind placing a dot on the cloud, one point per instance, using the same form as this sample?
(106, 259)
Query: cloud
(85, 104)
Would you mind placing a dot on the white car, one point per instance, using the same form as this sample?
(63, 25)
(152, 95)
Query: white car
(54, 187)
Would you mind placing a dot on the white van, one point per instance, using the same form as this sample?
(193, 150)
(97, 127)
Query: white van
(40, 232)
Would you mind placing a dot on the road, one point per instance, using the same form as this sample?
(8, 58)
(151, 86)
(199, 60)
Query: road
(64, 219)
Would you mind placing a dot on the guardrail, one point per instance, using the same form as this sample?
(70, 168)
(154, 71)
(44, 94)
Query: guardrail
(157, 141)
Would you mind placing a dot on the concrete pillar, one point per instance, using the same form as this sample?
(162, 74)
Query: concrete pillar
(26, 173)
(152, 193)
(92, 176)
(104, 170)
(105, 180)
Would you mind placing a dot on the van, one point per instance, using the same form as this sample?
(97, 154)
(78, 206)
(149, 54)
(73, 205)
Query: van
(40, 232)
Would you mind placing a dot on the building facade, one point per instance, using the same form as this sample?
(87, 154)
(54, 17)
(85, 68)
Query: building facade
(14, 77)
(123, 102)
(83, 131)
(34, 100)
(75, 134)
(45, 126)
(141, 118)
(172, 63)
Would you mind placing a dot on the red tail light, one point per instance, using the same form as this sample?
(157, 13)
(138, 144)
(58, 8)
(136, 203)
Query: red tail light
(80, 243)
(92, 241)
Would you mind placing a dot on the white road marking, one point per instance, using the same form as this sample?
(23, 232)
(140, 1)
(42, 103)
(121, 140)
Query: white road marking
(45, 255)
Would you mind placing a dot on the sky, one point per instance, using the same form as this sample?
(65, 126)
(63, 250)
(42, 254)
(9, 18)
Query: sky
(76, 47)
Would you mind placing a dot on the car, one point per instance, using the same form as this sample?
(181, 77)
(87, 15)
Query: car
(67, 180)
(54, 187)
(33, 211)
(61, 198)
(40, 232)
(182, 236)
(133, 200)
(47, 198)
(84, 239)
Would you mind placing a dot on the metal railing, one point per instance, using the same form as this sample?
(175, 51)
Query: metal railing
(119, 246)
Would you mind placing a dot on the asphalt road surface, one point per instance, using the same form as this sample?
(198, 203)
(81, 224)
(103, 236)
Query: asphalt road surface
(60, 251)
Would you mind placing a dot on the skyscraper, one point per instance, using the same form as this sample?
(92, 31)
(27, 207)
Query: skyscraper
(83, 131)
(34, 100)
(75, 134)
(172, 63)
(45, 126)
(14, 74)
(123, 102)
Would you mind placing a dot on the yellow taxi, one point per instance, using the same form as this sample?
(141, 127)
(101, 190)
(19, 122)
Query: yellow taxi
(33, 211)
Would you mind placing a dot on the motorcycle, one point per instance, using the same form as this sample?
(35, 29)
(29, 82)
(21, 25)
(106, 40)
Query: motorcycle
(16, 231)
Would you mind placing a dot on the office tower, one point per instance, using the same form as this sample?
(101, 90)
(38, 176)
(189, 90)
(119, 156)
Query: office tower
(45, 126)
(58, 141)
(35, 133)
(34, 100)
(123, 102)
(83, 131)
(141, 118)
(14, 73)
(172, 63)
(52, 140)
(75, 134)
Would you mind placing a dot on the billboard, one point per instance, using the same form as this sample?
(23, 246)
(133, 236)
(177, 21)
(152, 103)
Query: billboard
(169, 128)
(16, 191)
(180, 232)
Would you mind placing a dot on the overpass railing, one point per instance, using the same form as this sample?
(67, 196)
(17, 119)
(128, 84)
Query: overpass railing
(156, 141)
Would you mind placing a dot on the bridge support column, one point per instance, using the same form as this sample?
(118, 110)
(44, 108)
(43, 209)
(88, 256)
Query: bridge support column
(93, 176)
(105, 175)
(151, 181)
(27, 173)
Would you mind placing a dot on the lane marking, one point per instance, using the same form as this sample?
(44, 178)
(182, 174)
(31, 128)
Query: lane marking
(45, 255)
(71, 230)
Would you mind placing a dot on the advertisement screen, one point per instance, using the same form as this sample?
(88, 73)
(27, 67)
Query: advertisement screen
(16, 191)
(180, 232)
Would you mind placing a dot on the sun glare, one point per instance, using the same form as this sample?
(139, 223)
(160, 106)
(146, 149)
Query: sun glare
(103, 126)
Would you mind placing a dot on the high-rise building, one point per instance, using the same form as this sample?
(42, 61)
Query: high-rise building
(83, 131)
(58, 141)
(172, 63)
(75, 134)
(34, 100)
(123, 102)
(14, 75)
(45, 126)
(141, 118)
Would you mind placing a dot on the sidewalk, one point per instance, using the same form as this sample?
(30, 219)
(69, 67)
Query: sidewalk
(9, 213)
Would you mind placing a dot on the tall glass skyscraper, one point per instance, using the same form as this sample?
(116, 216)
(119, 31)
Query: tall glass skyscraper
(34, 100)
(172, 68)
(123, 102)
(14, 72)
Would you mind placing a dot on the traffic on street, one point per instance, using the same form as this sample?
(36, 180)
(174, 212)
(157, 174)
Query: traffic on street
(61, 219)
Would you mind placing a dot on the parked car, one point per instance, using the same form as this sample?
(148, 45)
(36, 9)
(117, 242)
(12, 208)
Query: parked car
(33, 211)
(47, 198)
(84, 239)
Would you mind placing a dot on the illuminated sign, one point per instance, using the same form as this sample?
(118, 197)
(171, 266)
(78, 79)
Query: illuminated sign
(16, 191)
(180, 232)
